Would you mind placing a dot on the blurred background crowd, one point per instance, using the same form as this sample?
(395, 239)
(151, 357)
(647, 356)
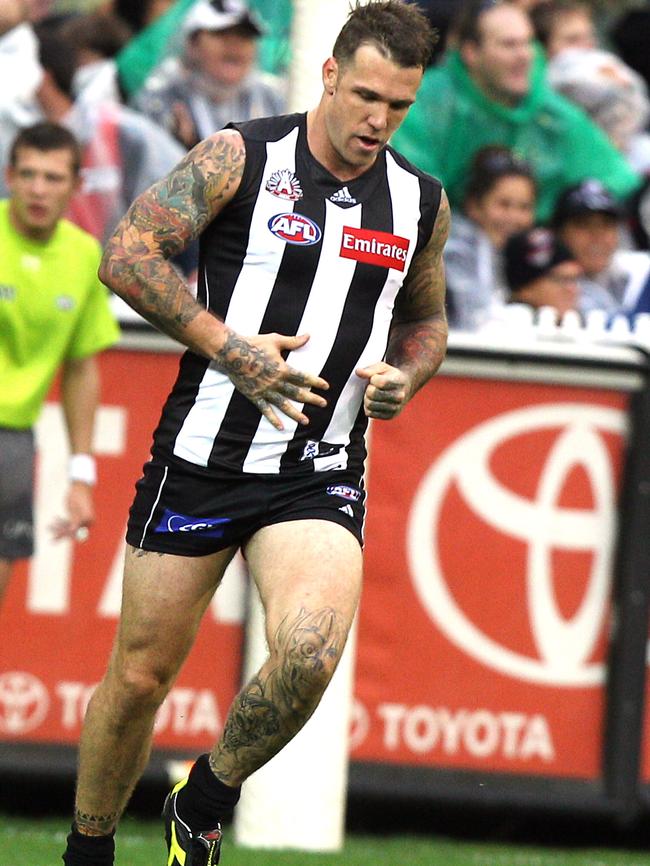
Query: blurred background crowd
(534, 114)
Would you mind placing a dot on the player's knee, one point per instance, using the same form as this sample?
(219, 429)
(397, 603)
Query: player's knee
(305, 677)
(143, 685)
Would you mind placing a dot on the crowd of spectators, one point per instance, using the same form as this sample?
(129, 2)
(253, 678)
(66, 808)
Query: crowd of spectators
(535, 117)
(69, 68)
(534, 114)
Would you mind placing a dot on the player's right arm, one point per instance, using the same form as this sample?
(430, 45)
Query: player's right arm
(136, 266)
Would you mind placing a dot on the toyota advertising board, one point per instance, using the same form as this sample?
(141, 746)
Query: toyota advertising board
(59, 618)
(484, 650)
(491, 543)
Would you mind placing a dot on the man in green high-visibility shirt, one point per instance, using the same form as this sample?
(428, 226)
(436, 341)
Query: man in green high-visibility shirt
(54, 315)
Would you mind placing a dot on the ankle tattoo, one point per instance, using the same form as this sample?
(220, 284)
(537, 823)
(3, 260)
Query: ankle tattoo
(95, 825)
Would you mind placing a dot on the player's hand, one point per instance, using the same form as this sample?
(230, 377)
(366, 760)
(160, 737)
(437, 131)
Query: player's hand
(257, 369)
(386, 393)
(80, 513)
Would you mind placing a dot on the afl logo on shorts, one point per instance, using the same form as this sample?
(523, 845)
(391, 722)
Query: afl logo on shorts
(294, 228)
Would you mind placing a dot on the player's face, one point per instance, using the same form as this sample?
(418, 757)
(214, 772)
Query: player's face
(367, 99)
(41, 184)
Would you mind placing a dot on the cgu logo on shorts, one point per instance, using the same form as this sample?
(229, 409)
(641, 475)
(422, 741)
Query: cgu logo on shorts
(374, 248)
(531, 532)
(294, 228)
(208, 527)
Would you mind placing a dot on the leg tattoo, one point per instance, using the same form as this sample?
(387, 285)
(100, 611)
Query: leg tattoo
(95, 825)
(277, 702)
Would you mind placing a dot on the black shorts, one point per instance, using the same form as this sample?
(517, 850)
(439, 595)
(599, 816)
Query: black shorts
(183, 511)
(16, 494)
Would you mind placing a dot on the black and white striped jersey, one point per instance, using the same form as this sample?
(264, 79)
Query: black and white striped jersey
(298, 251)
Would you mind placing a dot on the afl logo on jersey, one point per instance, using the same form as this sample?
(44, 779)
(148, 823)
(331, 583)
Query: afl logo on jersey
(294, 228)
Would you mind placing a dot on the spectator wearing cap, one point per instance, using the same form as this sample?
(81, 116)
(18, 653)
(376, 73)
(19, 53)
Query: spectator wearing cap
(589, 220)
(215, 79)
(491, 88)
(541, 271)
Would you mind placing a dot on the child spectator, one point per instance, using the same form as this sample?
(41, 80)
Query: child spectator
(541, 271)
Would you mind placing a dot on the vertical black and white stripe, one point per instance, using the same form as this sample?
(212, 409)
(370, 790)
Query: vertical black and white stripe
(258, 283)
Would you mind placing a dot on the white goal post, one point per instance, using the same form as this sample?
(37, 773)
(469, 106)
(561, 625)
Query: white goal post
(298, 799)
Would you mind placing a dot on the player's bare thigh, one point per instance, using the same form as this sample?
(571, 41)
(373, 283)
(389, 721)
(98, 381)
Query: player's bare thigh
(163, 600)
(313, 566)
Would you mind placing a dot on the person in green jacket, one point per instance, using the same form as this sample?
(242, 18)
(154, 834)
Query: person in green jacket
(491, 89)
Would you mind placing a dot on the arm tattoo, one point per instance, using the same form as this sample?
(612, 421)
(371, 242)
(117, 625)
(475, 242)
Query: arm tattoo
(418, 335)
(277, 702)
(161, 222)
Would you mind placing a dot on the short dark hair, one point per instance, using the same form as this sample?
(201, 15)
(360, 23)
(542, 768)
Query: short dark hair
(102, 32)
(46, 137)
(545, 15)
(466, 26)
(399, 30)
(57, 56)
(492, 163)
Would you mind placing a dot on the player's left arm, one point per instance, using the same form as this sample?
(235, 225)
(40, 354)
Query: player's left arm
(418, 336)
(80, 399)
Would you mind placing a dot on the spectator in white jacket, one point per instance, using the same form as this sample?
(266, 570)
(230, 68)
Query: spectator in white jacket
(215, 79)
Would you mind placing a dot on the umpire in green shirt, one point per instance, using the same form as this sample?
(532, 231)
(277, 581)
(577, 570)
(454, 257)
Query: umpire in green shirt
(54, 314)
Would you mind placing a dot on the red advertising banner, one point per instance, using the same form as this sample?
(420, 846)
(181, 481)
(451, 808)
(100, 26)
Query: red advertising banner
(59, 618)
(484, 618)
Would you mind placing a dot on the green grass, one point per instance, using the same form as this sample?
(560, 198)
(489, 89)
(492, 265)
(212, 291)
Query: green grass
(39, 842)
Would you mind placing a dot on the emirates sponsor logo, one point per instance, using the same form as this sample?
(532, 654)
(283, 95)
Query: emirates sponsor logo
(374, 248)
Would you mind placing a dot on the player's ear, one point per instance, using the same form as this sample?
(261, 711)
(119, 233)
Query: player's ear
(330, 75)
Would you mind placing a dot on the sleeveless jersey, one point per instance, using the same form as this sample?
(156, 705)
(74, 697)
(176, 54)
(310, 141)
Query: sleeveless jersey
(298, 251)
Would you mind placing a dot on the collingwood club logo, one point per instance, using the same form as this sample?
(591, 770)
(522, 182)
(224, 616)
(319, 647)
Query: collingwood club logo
(563, 647)
(284, 184)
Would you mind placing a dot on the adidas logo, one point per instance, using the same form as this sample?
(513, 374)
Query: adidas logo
(347, 509)
(342, 196)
